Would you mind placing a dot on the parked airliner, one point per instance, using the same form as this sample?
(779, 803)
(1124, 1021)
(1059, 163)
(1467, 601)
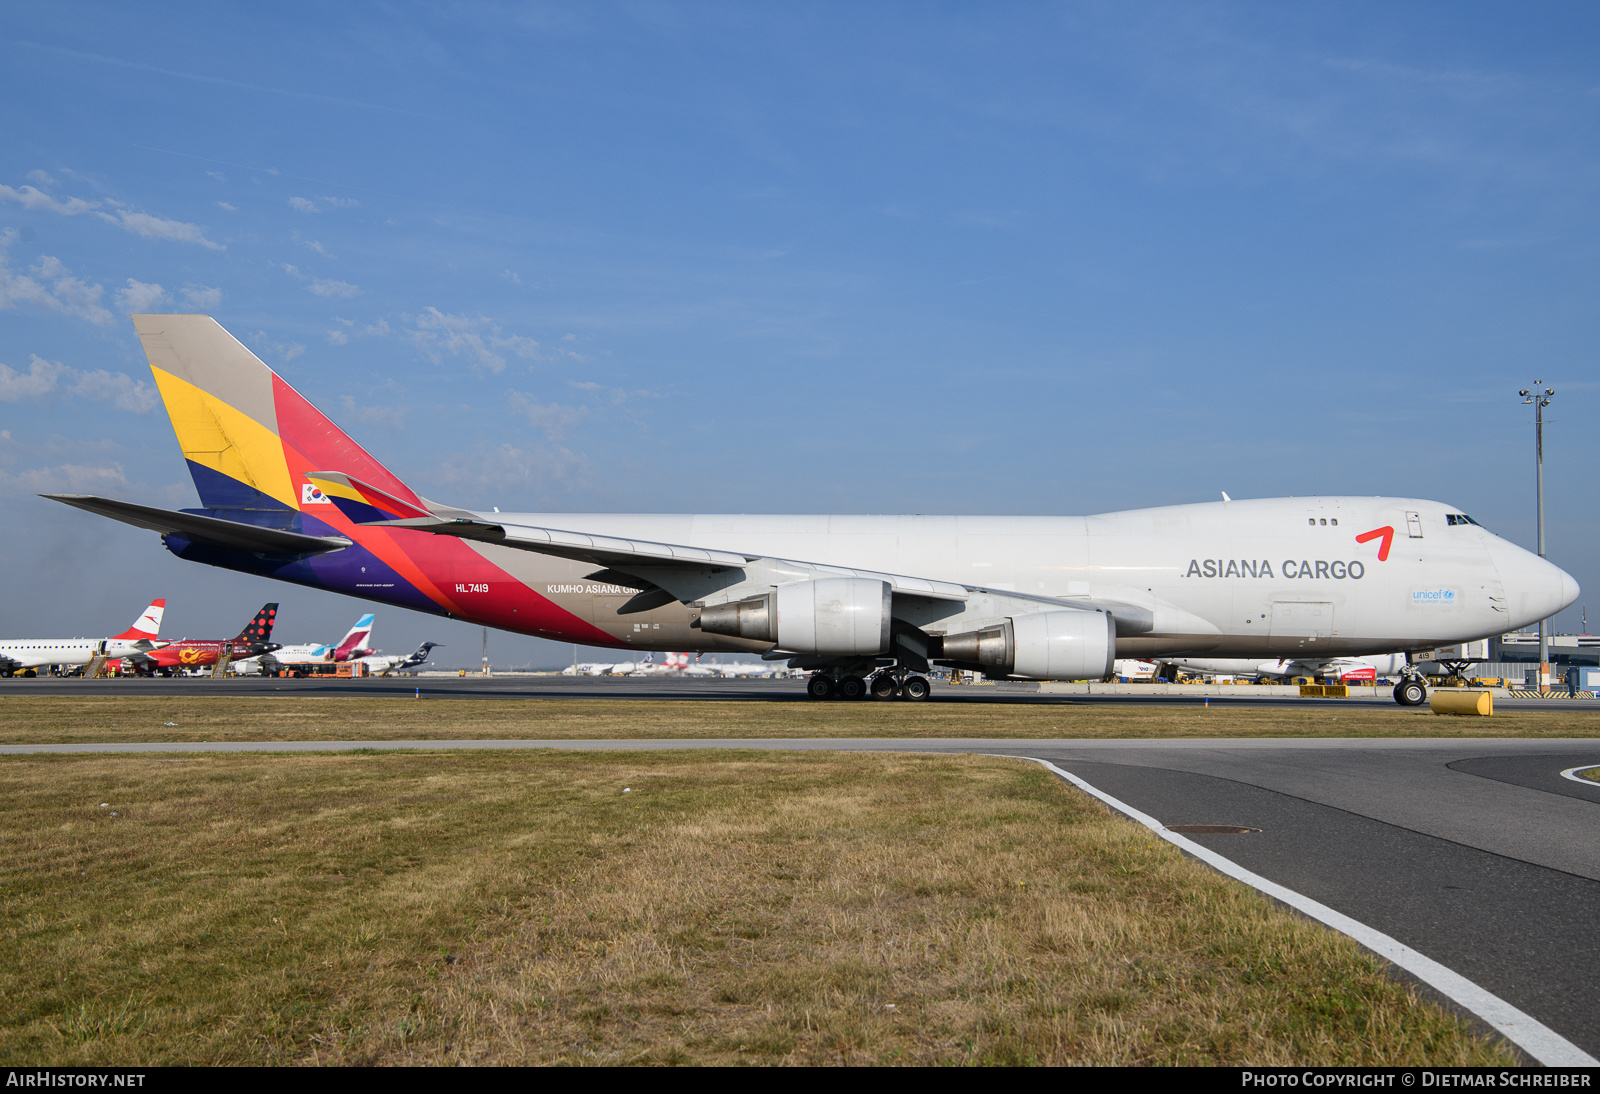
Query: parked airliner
(864, 602)
(352, 646)
(26, 656)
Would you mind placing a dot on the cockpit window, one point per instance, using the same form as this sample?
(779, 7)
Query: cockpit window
(1459, 518)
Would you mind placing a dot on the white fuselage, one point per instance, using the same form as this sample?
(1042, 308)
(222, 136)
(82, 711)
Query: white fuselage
(36, 653)
(1268, 578)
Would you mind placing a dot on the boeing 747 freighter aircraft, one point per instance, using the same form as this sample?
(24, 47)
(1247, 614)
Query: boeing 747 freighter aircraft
(864, 602)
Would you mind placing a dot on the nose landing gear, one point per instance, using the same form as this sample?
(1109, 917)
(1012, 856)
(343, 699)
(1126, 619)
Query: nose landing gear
(1410, 691)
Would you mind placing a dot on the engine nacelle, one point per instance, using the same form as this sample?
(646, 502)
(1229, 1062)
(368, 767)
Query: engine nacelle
(831, 617)
(1069, 645)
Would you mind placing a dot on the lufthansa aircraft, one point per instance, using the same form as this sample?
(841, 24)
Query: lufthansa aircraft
(866, 603)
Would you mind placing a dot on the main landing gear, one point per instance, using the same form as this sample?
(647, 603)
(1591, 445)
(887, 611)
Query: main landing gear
(882, 685)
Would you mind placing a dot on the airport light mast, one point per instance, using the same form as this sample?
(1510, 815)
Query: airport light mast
(1540, 400)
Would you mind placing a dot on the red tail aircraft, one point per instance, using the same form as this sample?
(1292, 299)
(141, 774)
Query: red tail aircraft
(187, 653)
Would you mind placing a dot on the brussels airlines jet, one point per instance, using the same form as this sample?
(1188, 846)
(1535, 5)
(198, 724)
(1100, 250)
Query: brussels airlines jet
(286, 494)
(194, 653)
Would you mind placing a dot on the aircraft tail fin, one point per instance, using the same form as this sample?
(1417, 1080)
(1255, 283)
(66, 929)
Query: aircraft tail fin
(248, 436)
(259, 629)
(355, 638)
(148, 625)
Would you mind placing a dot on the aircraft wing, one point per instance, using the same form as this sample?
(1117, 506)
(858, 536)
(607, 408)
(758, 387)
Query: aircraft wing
(203, 529)
(366, 504)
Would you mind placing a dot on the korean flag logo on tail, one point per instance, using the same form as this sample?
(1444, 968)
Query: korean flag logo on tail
(311, 494)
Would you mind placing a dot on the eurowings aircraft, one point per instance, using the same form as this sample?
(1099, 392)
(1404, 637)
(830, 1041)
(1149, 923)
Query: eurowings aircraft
(286, 494)
(353, 646)
(185, 653)
(29, 655)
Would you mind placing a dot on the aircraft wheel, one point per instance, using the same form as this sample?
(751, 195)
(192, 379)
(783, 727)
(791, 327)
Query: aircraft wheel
(29, 674)
(1410, 693)
(884, 687)
(852, 687)
(820, 687)
(916, 688)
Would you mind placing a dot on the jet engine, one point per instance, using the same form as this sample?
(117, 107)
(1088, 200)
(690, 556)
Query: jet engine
(832, 616)
(1071, 645)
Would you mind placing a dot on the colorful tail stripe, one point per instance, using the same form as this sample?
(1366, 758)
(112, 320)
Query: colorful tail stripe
(255, 446)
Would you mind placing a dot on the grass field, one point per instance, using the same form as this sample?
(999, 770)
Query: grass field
(26, 719)
(685, 907)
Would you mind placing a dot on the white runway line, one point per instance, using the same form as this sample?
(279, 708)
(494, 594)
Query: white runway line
(1572, 773)
(1523, 1030)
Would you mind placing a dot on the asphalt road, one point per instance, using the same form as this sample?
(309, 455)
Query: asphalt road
(646, 687)
(1475, 852)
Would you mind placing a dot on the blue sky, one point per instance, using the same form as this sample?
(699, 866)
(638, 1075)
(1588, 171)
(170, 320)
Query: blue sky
(798, 258)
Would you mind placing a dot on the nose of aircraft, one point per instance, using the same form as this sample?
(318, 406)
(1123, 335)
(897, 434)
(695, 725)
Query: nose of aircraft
(1535, 587)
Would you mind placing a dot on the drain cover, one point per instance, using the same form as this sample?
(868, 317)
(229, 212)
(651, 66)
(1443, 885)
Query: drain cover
(1210, 829)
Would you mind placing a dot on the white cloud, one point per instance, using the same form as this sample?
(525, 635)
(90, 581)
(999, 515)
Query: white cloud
(45, 378)
(42, 178)
(74, 295)
(154, 227)
(490, 470)
(52, 288)
(39, 381)
(288, 351)
(341, 203)
(140, 297)
(479, 338)
(218, 175)
(204, 297)
(554, 419)
(141, 224)
(314, 245)
(117, 388)
(68, 478)
(303, 205)
(332, 288)
(338, 338)
(511, 276)
(381, 417)
(30, 198)
(229, 208)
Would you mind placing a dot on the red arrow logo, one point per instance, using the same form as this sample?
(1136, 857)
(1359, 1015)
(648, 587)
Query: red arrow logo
(1387, 532)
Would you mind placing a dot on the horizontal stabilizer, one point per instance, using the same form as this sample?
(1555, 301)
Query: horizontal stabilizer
(363, 503)
(201, 529)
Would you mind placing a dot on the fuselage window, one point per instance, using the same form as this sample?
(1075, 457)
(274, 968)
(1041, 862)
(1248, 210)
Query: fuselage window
(1335, 522)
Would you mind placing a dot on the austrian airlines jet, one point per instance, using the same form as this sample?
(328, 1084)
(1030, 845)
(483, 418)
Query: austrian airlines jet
(28, 655)
(286, 494)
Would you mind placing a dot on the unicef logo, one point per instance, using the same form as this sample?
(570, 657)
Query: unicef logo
(1435, 597)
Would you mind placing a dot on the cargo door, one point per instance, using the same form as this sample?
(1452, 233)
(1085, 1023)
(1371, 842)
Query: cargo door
(1308, 620)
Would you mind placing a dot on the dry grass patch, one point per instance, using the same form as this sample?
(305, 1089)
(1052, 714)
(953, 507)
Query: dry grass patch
(521, 908)
(65, 719)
